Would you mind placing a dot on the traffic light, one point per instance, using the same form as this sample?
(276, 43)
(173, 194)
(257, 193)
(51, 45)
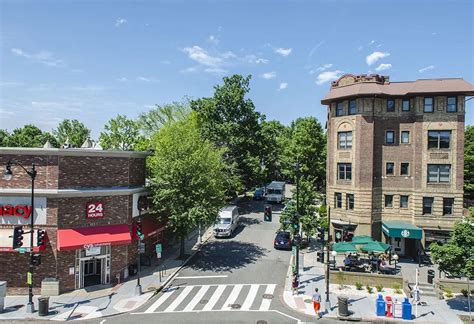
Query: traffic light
(36, 259)
(320, 256)
(295, 224)
(139, 230)
(18, 237)
(267, 214)
(320, 235)
(40, 237)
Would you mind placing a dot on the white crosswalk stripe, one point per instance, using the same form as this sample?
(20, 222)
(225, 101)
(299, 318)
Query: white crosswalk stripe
(218, 297)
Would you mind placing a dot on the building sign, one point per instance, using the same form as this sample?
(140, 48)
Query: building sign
(141, 204)
(17, 210)
(95, 209)
(405, 233)
(93, 250)
(89, 246)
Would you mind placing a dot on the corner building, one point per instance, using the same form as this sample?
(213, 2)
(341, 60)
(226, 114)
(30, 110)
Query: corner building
(395, 159)
(87, 201)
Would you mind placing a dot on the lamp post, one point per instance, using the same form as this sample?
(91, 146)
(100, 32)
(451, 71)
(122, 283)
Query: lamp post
(328, 244)
(395, 258)
(297, 245)
(8, 175)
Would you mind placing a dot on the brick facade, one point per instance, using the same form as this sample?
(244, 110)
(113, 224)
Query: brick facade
(370, 154)
(69, 179)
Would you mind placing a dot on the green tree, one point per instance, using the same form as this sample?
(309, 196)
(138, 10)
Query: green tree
(188, 177)
(457, 256)
(229, 120)
(151, 121)
(469, 162)
(121, 133)
(4, 137)
(29, 136)
(308, 145)
(74, 130)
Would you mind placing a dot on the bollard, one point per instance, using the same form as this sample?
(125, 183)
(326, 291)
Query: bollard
(389, 306)
(406, 309)
(380, 306)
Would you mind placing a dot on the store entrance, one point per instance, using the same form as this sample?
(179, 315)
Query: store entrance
(92, 270)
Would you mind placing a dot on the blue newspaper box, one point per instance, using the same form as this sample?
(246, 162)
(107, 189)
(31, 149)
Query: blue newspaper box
(380, 306)
(406, 310)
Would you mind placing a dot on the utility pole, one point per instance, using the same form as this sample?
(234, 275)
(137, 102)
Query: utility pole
(328, 303)
(297, 167)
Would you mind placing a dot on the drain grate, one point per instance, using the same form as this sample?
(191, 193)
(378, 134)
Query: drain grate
(235, 306)
(308, 301)
(203, 301)
(261, 322)
(267, 296)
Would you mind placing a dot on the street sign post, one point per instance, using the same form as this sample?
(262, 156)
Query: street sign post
(158, 248)
(141, 248)
(158, 255)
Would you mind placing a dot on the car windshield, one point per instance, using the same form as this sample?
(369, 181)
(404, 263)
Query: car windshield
(223, 221)
(274, 192)
(281, 236)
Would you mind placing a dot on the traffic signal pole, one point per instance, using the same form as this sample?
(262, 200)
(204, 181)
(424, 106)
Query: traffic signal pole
(297, 218)
(328, 303)
(30, 307)
(138, 287)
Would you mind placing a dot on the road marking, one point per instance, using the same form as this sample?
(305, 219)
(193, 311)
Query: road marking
(214, 298)
(202, 277)
(179, 299)
(232, 297)
(197, 298)
(250, 297)
(266, 302)
(160, 301)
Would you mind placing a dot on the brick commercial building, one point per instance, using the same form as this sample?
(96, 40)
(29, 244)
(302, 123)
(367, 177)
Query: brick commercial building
(395, 158)
(87, 200)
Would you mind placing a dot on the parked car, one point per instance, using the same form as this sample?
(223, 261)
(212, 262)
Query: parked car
(282, 241)
(227, 221)
(259, 194)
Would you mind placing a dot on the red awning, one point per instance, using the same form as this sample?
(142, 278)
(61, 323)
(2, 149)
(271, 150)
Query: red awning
(85, 237)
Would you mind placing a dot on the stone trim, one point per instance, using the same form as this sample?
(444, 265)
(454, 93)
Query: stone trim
(70, 152)
(60, 193)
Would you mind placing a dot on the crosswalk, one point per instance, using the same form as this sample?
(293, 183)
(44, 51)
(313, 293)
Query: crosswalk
(214, 297)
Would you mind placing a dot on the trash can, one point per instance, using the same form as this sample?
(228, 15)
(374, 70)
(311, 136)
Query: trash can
(43, 307)
(343, 305)
(406, 310)
(380, 306)
(431, 275)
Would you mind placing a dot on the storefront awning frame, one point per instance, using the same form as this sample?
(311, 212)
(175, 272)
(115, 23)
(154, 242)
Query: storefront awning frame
(399, 229)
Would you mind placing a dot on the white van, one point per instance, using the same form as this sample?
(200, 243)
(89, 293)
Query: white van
(276, 192)
(227, 221)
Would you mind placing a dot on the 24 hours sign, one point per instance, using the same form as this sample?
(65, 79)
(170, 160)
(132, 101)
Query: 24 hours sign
(95, 209)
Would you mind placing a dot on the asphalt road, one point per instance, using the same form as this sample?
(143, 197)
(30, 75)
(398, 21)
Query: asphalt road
(230, 280)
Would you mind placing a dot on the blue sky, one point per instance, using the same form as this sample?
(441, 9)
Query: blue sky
(90, 60)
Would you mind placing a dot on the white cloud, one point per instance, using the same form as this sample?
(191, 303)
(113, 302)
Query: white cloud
(426, 68)
(268, 75)
(375, 56)
(10, 84)
(43, 57)
(189, 70)
(261, 61)
(328, 76)
(120, 21)
(145, 79)
(372, 42)
(216, 70)
(254, 59)
(283, 86)
(122, 79)
(213, 39)
(201, 56)
(324, 67)
(383, 66)
(283, 51)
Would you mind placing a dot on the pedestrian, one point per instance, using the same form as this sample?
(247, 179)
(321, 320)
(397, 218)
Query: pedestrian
(317, 302)
(416, 295)
(295, 284)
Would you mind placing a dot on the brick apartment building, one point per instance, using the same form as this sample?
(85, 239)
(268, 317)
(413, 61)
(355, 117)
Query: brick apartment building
(395, 158)
(87, 201)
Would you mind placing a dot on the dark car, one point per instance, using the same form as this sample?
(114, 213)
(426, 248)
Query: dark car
(282, 241)
(259, 194)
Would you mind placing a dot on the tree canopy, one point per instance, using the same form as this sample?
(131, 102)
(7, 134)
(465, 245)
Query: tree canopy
(120, 133)
(469, 162)
(29, 136)
(74, 130)
(188, 176)
(457, 256)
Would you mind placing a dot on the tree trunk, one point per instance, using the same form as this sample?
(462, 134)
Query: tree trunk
(181, 248)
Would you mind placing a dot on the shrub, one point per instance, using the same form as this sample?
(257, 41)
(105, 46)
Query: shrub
(340, 279)
(448, 292)
(379, 288)
(369, 289)
(396, 287)
(464, 292)
(359, 285)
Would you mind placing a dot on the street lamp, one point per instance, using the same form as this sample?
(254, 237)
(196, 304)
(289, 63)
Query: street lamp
(395, 258)
(297, 171)
(8, 175)
(334, 253)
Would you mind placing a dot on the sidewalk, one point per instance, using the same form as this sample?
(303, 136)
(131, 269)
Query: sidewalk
(106, 301)
(362, 306)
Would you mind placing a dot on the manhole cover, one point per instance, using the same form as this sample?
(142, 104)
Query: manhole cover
(261, 322)
(203, 301)
(235, 306)
(308, 301)
(268, 296)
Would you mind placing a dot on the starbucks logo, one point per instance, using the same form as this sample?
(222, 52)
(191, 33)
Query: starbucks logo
(405, 233)
(338, 235)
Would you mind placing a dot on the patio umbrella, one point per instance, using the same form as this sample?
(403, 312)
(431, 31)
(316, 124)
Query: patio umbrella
(376, 246)
(361, 239)
(344, 247)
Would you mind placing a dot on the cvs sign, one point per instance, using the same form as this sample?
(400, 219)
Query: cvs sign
(23, 211)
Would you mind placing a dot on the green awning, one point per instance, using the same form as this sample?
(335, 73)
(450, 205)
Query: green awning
(362, 239)
(343, 247)
(376, 246)
(401, 230)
